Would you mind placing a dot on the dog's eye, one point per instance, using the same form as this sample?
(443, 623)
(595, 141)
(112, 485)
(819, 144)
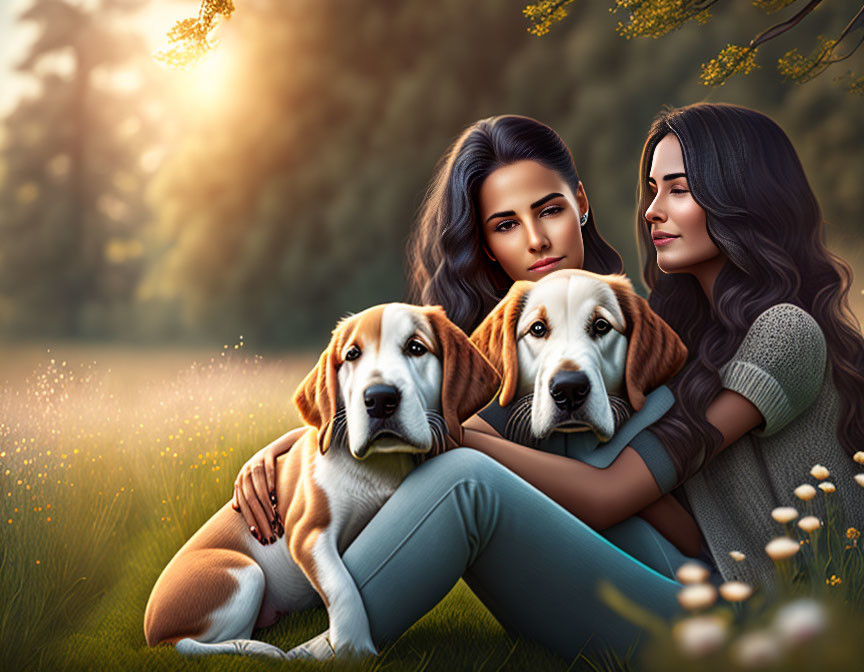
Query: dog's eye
(601, 326)
(539, 329)
(416, 349)
(353, 353)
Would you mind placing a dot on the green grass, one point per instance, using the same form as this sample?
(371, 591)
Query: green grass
(108, 466)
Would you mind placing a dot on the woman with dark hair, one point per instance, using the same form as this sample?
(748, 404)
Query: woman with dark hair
(724, 203)
(449, 260)
(734, 247)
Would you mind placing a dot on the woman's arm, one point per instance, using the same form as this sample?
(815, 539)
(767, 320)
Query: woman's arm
(255, 487)
(603, 497)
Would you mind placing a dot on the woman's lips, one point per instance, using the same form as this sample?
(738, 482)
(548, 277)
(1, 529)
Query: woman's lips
(664, 240)
(545, 265)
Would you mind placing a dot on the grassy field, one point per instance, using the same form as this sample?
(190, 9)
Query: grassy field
(110, 458)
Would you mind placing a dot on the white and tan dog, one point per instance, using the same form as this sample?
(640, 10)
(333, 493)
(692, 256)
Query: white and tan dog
(395, 383)
(576, 352)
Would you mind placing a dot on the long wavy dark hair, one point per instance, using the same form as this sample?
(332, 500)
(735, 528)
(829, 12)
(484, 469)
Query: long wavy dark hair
(763, 216)
(446, 261)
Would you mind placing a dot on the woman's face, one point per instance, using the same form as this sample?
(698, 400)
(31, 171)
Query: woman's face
(676, 220)
(529, 217)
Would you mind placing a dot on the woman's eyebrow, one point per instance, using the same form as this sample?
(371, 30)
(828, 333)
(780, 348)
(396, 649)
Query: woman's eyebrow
(547, 197)
(535, 204)
(667, 178)
(505, 213)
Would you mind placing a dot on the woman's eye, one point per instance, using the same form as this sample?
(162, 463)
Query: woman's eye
(506, 225)
(551, 210)
(679, 190)
(539, 329)
(352, 354)
(601, 327)
(416, 349)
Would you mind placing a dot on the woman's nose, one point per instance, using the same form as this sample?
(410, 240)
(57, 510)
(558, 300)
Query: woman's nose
(655, 212)
(537, 238)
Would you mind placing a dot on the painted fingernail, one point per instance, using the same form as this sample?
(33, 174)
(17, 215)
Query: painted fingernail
(273, 539)
(254, 532)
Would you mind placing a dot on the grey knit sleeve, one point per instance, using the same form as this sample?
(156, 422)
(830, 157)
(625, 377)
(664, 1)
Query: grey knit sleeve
(779, 366)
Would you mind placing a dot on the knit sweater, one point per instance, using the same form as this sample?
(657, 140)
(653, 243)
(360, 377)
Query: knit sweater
(780, 367)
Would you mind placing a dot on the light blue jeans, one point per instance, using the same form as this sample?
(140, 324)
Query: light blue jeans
(533, 564)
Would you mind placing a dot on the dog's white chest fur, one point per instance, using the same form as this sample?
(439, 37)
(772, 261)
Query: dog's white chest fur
(357, 490)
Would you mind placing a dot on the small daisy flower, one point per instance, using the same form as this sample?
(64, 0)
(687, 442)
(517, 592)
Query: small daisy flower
(691, 572)
(735, 591)
(781, 548)
(820, 472)
(784, 514)
(700, 635)
(805, 492)
(697, 596)
(810, 523)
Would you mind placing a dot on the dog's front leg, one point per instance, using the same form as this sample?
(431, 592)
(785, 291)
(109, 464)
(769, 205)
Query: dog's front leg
(349, 626)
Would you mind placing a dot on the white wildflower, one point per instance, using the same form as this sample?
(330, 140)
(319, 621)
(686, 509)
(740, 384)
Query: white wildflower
(757, 649)
(805, 492)
(697, 596)
(691, 572)
(700, 635)
(800, 621)
(735, 591)
(784, 514)
(781, 548)
(809, 523)
(820, 472)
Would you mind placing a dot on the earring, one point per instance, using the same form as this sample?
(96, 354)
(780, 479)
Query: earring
(583, 220)
(489, 254)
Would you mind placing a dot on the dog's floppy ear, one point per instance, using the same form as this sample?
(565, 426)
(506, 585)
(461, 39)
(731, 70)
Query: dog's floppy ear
(317, 396)
(468, 382)
(495, 337)
(655, 353)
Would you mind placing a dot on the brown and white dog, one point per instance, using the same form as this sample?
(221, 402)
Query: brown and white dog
(395, 384)
(576, 352)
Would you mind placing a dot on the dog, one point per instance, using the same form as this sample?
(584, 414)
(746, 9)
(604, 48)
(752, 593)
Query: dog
(392, 388)
(570, 346)
(578, 354)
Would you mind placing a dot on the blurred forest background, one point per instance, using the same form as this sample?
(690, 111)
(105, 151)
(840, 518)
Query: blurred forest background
(271, 190)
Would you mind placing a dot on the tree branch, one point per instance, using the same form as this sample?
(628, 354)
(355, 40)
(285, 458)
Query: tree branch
(781, 28)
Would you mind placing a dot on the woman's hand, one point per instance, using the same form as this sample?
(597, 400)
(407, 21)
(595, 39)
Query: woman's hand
(255, 489)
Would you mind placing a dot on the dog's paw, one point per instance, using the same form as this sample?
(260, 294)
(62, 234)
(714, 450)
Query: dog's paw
(317, 648)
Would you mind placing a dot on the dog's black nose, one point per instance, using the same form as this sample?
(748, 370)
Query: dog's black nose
(381, 400)
(569, 389)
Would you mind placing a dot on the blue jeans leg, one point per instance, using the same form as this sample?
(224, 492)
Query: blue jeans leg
(533, 564)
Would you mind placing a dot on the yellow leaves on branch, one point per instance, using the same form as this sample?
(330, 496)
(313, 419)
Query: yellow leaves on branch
(545, 13)
(189, 38)
(658, 17)
(734, 59)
